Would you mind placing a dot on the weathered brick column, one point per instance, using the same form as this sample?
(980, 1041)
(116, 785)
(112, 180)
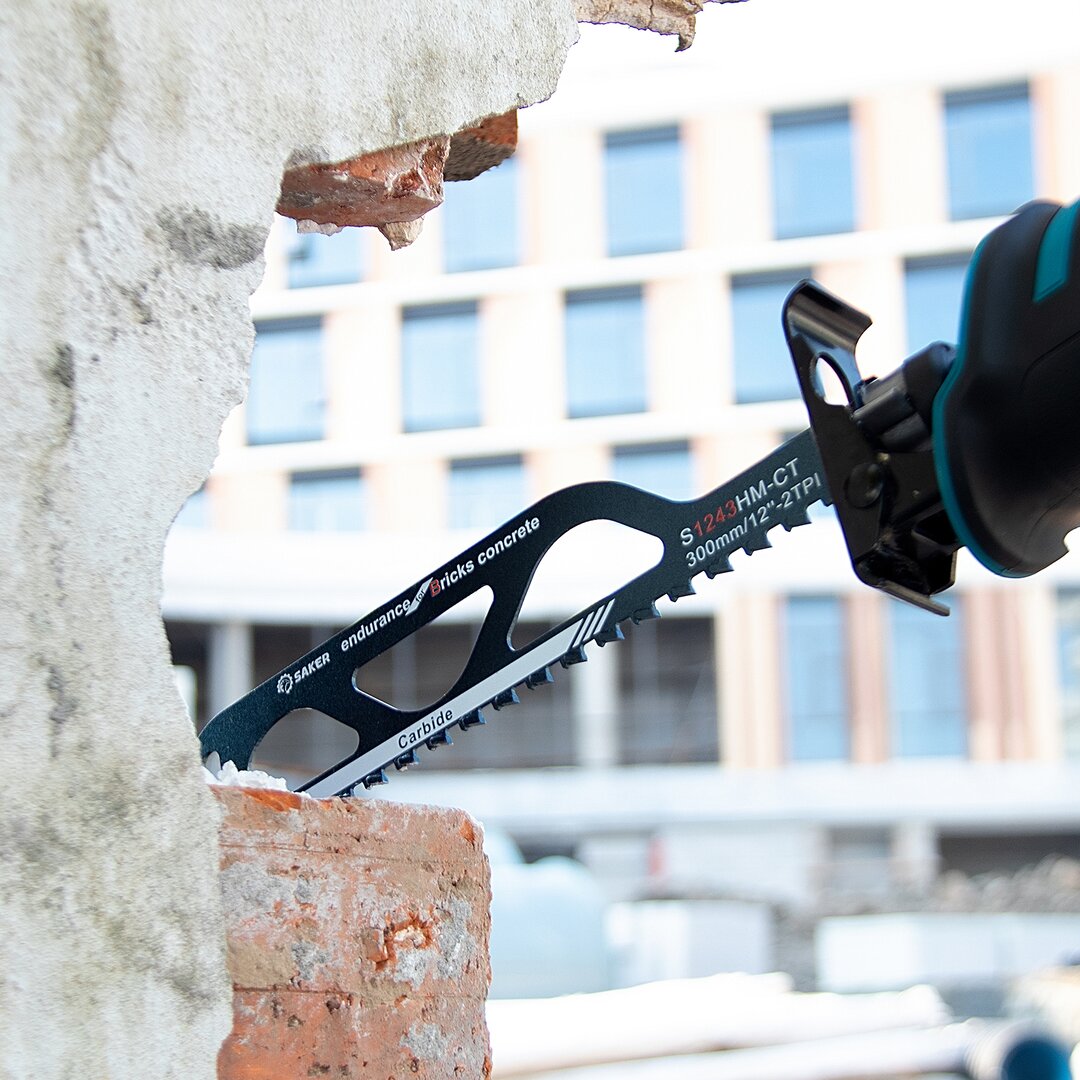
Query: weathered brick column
(357, 936)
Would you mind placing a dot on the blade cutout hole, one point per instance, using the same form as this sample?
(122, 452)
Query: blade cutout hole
(302, 744)
(578, 570)
(419, 669)
(828, 382)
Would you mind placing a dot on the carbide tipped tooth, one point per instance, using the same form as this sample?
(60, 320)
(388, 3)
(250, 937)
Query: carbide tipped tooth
(614, 634)
(403, 761)
(507, 697)
(375, 778)
(720, 566)
(472, 719)
(539, 678)
(684, 588)
(440, 738)
(645, 613)
(573, 656)
(798, 517)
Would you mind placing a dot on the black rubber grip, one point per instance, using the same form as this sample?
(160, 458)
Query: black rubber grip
(1006, 422)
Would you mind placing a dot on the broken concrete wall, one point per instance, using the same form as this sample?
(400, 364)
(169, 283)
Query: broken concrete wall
(143, 147)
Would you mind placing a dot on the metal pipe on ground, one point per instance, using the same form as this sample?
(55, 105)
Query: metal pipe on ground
(687, 1016)
(977, 1050)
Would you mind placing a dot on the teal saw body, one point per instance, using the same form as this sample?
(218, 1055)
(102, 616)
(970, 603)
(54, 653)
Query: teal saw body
(1006, 423)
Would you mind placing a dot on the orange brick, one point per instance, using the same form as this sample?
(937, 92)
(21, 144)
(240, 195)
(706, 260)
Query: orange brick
(399, 184)
(476, 149)
(357, 937)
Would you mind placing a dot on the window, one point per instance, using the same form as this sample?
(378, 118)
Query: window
(605, 352)
(665, 469)
(763, 367)
(286, 398)
(643, 191)
(988, 147)
(667, 691)
(314, 259)
(926, 682)
(1069, 658)
(440, 380)
(813, 190)
(480, 220)
(934, 290)
(326, 501)
(486, 492)
(815, 678)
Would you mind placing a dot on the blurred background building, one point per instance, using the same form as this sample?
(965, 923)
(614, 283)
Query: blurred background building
(606, 304)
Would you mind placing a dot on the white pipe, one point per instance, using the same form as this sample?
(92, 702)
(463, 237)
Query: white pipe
(974, 1049)
(687, 1016)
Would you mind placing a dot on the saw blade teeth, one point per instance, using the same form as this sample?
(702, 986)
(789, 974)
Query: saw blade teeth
(719, 566)
(573, 656)
(373, 779)
(684, 588)
(472, 719)
(539, 678)
(757, 543)
(440, 738)
(798, 517)
(507, 697)
(403, 761)
(606, 636)
(644, 614)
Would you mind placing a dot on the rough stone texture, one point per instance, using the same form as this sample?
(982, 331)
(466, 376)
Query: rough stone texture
(662, 16)
(479, 148)
(399, 184)
(143, 146)
(357, 939)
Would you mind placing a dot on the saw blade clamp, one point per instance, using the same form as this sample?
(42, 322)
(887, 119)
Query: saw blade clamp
(876, 449)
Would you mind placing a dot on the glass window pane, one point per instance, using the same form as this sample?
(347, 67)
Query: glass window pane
(815, 678)
(286, 398)
(934, 290)
(1069, 659)
(988, 143)
(485, 493)
(813, 190)
(763, 367)
(314, 259)
(440, 387)
(326, 501)
(605, 352)
(665, 469)
(480, 220)
(643, 191)
(926, 682)
(667, 693)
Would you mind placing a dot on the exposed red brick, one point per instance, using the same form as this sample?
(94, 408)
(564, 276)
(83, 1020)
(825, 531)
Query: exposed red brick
(661, 16)
(399, 184)
(357, 936)
(477, 149)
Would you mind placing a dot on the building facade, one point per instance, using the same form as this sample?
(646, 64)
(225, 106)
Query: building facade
(606, 304)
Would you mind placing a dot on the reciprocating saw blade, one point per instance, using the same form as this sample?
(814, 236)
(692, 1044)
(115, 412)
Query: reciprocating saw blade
(698, 536)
